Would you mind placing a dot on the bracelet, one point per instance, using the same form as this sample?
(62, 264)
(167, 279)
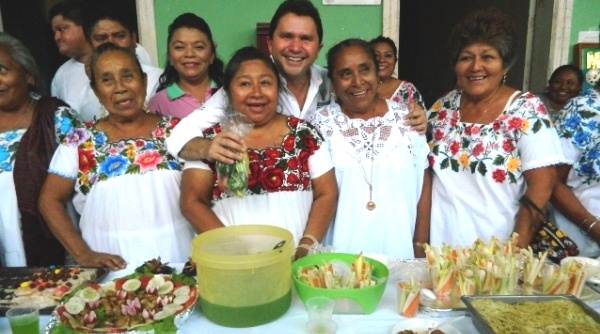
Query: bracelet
(591, 226)
(583, 222)
(310, 237)
(303, 246)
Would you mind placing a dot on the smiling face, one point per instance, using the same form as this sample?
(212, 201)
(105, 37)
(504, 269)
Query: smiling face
(112, 31)
(295, 45)
(386, 60)
(479, 70)
(69, 37)
(191, 53)
(253, 92)
(13, 82)
(119, 84)
(355, 81)
(565, 86)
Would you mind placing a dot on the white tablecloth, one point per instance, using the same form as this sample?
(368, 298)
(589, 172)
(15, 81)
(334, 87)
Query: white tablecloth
(294, 321)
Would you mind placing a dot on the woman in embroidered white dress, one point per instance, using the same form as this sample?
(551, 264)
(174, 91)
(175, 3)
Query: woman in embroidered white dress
(291, 185)
(380, 165)
(28, 123)
(126, 185)
(391, 88)
(577, 195)
(491, 143)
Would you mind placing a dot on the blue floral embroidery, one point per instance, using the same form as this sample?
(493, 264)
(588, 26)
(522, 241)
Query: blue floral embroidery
(114, 165)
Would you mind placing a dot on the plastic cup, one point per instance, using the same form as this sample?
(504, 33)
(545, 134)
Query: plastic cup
(408, 299)
(320, 308)
(321, 326)
(24, 320)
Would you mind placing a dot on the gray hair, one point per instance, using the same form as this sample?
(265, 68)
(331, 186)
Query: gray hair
(19, 52)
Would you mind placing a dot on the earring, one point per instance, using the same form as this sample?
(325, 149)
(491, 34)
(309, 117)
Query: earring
(503, 79)
(145, 107)
(103, 112)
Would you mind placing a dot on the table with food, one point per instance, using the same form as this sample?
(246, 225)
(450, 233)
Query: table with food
(241, 280)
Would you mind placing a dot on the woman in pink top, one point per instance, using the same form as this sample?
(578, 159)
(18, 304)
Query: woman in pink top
(192, 73)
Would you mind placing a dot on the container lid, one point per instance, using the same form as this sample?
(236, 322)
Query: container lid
(242, 247)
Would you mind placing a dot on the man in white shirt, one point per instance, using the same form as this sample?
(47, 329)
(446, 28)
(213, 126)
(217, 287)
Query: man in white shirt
(106, 25)
(295, 40)
(67, 20)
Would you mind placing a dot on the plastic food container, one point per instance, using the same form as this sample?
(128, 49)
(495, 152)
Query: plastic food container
(347, 301)
(244, 274)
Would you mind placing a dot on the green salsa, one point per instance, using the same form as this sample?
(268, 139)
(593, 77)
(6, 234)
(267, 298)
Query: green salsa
(247, 316)
(25, 324)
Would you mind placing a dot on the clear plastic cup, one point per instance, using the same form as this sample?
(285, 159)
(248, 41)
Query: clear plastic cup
(320, 308)
(24, 320)
(408, 299)
(321, 326)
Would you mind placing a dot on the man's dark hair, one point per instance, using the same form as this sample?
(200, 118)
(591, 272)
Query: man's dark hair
(300, 8)
(117, 11)
(72, 10)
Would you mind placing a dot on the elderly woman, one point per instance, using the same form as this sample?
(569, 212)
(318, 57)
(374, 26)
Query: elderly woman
(28, 124)
(565, 83)
(577, 194)
(491, 143)
(291, 184)
(125, 185)
(390, 88)
(380, 165)
(193, 72)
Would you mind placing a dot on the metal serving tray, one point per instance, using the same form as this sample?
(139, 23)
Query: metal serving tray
(11, 278)
(483, 326)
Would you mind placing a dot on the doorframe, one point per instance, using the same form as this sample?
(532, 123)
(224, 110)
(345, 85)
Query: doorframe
(559, 45)
(147, 27)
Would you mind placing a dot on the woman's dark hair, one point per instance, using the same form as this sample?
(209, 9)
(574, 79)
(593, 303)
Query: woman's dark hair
(299, 8)
(19, 52)
(334, 52)
(388, 41)
(108, 47)
(242, 55)
(566, 68)
(489, 26)
(192, 21)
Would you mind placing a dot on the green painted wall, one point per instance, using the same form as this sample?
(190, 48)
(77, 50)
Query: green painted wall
(586, 15)
(233, 22)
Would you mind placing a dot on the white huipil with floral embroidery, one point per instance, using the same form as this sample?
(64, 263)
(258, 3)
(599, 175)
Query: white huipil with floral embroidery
(478, 168)
(279, 189)
(127, 193)
(579, 131)
(382, 151)
(12, 251)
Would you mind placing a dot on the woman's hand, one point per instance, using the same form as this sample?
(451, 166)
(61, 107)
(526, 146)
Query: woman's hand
(224, 147)
(90, 258)
(416, 118)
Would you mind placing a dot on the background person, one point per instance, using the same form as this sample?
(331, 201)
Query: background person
(126, 186)
(565, 83)
(380, 165)
(28, 124)
(390, 88)
(291, 185)
(295, 40)
(490, 144)
(193, 72)
(576, 196)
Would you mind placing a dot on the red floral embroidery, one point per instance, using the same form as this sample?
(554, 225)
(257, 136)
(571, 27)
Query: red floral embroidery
(442, 115)
(438, 135)
(431, 160)
(289, 142)
(508, 146)
(272, 153)
(272, 178)
(293, 122)
(140, 143)
(454, 147)
(87, 160)
(478, 150)
(515, 123)
(499, 175)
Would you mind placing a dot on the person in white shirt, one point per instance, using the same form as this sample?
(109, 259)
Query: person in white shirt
(295, 40)
(102, 25)
(67, 20)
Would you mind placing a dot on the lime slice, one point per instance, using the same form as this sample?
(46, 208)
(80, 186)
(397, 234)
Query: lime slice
(132, 284)
(75, 305)
(165, 288)
(183, 290)
(89, 294)
(181, 299)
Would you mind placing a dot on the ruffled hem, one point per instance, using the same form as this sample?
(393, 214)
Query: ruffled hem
(55, 172)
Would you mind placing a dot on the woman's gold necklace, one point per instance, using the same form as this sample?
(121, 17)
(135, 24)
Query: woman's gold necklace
(16, 124)
(370, 204)
(488, 105)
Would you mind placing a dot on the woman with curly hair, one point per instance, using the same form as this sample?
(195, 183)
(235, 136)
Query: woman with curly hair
(491, 144)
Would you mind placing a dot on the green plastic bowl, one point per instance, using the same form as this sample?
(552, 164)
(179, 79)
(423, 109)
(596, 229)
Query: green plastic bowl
(347, 301)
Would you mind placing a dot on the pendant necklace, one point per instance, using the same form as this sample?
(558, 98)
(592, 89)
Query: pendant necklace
(370, 204)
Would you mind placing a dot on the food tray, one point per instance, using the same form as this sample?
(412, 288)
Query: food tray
(483, 326)
(11, 278)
